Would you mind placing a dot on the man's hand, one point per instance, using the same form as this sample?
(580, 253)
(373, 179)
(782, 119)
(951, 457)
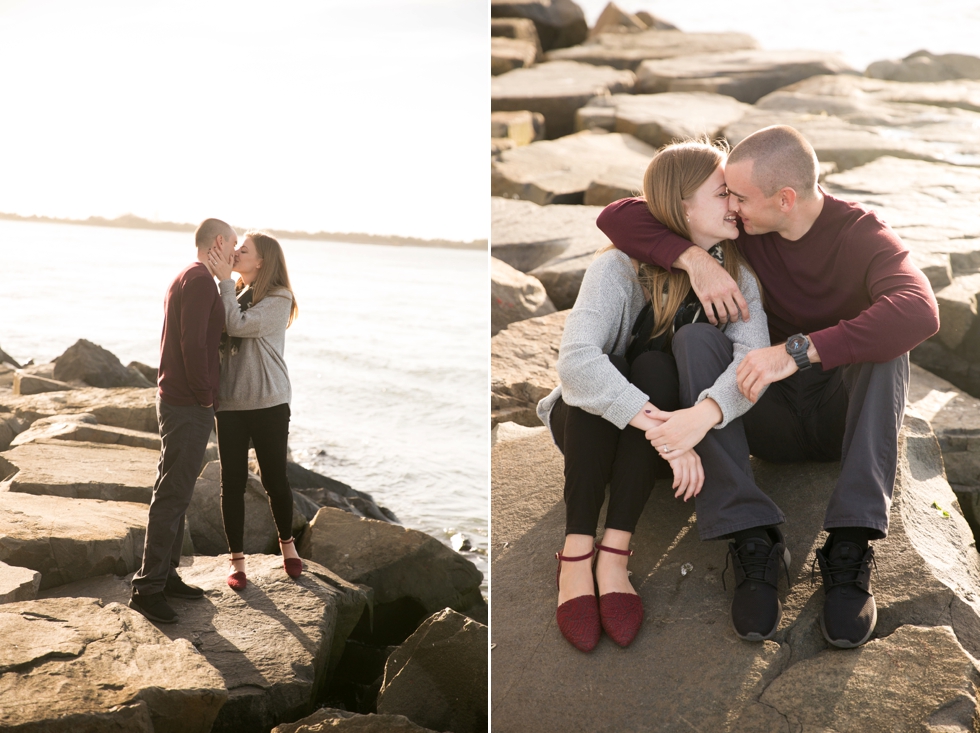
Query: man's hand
(715, 288)
(762, 367)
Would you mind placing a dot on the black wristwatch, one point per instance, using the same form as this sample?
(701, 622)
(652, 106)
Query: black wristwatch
(797, 346)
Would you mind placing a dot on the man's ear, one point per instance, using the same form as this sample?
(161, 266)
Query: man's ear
(787, 199)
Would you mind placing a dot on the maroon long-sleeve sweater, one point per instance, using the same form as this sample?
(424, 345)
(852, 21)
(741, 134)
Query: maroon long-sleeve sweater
(192, 321)
(848, 282)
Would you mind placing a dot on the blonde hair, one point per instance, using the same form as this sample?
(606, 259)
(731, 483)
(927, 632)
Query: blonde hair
(273, 274)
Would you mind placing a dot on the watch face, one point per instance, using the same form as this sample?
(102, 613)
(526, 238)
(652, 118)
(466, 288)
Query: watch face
(797, 343)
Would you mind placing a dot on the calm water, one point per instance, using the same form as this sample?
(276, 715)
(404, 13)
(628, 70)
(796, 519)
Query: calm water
(388, 359)
(862, 31)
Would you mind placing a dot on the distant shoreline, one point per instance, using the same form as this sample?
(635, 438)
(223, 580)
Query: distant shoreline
(129, 221)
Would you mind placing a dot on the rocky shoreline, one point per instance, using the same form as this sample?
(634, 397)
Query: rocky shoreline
(385, 630)
(577, 113)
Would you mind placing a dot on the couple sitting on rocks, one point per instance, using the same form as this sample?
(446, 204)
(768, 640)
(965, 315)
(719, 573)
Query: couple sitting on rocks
(221, 366)
(696, 341)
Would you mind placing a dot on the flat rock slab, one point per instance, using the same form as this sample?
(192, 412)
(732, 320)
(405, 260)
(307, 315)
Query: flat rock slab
(560, 171)
(28, 384)
(556, 89)
(707, 679)
(412, 574)
(83, 470)
(963, 94)
(83, 427)
(342, 721)
(274, 643)
(522, 368)
(526, 235)
(70, 539)
(745, 75)
(559, 23)
(656, 119)
(514, 296)
(130, 408)
(18, 584)
(923, 66)
(71, 665)
(629, 50)
(507, 54)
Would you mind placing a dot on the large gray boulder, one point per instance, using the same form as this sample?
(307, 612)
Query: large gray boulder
(507, 54)
(522, 368)
(745, 75)
(70, 539)
(83, 427)
(97, 367)
(412, 574)
(342, 721)
(438, 677)
(927, 589)
(923, 66)
(559, 23)
(520, 29)
(629, 50)
(556, 89)
(70, 665)
(962, 94)
(10, 428)
(134, 409)
(207, 527)
(561, 171)
(957, 309)
(26, 384)
(657, 119)
(526, 235)
(514, 296)
(18, 584)
(83, 470)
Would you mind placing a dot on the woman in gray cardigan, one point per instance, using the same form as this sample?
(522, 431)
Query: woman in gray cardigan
(622, 371)
(254, 391)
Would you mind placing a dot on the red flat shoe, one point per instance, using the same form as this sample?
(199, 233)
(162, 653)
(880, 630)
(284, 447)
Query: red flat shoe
(292, 565)
(578, 618)
(237, 580)
(621, 614)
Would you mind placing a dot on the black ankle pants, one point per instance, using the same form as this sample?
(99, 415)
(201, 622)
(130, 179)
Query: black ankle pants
(598, 453)
(268, 431)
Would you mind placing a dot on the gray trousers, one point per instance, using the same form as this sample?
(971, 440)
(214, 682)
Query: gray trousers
(851, 413)
(184, 432)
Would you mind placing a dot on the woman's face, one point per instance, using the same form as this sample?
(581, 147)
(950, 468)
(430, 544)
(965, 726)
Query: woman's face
(709, 219)
(247, 260)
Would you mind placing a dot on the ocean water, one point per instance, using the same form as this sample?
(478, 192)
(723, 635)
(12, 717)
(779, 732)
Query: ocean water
(862, 31)
(388, 359)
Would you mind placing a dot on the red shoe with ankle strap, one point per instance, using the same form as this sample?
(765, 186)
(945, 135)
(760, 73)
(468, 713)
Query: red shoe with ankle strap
(621, 614)
(578, 618)
(292, 565)
(237, 579)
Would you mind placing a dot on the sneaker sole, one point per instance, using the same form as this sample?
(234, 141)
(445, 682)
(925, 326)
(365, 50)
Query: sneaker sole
(846, 643)
(186, 596)
(147, 614)
(752, 635)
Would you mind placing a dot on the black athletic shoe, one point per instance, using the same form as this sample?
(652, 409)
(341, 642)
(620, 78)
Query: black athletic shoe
(849, 611)
(154, 606)
(177, 588)
(756, 609)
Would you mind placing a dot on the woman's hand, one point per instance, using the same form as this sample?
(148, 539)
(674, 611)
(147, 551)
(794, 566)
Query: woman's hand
(688, 474)
(680, 431)
(644, 420)
(218, 265)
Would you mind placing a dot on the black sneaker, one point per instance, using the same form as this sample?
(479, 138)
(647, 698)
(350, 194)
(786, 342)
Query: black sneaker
(177, 588)
(154, 606)
(849, 611)
(756, 609)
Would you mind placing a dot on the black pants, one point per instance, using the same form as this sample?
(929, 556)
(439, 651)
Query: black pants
(598, 453)
(268, 430)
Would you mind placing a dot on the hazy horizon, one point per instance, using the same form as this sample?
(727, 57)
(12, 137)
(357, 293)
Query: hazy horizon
(309, 116)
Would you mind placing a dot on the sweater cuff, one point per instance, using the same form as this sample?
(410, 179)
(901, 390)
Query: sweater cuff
(226, 286)
(832, 348)
(726, 415)
(626, 406)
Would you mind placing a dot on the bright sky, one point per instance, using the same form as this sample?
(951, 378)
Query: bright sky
(309, 115)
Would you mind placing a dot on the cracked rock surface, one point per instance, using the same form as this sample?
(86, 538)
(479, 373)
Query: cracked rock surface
(687, 670)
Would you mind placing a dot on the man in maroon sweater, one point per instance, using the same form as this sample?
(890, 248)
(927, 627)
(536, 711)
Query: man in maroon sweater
(188, 390)
(845, 305)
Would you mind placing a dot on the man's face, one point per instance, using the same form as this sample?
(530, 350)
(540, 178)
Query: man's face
(758, 213)
(226, 245)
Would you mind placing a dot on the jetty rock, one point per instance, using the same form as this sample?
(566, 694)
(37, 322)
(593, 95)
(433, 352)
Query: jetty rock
(556, 89)
(97, 367)
(18, 584)
(72, 665)
(927, 590)
(559, 23)
(923, 66)
(438, 677)
(342, 721)
(83, 427)
(520, 29)
(26, 383)
(130, 408)
(629, 50)
(514, 296)
(412, 574)
(507, 54)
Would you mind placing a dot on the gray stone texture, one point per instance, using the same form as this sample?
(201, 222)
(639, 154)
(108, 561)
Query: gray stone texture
(342, 721)
(629, 50)
(83, 427)
(923, 66)
(507, 54)
(27, 384)
(97, 367)
(134, 409)
(514, 296)
(18, 584)
(559, 23)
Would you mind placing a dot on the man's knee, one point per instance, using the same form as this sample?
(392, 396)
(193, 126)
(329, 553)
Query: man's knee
(704, 345)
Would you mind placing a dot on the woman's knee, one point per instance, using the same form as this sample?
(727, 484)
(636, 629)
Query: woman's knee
(655, 373)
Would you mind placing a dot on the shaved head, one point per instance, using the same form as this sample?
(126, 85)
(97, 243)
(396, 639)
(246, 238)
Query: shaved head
(782, 158)
(209, 229)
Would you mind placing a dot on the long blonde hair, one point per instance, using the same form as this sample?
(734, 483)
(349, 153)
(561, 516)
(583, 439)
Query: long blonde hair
(273, 274)
(674, 174)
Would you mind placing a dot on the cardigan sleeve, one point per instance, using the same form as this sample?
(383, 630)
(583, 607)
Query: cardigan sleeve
(265, 318)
